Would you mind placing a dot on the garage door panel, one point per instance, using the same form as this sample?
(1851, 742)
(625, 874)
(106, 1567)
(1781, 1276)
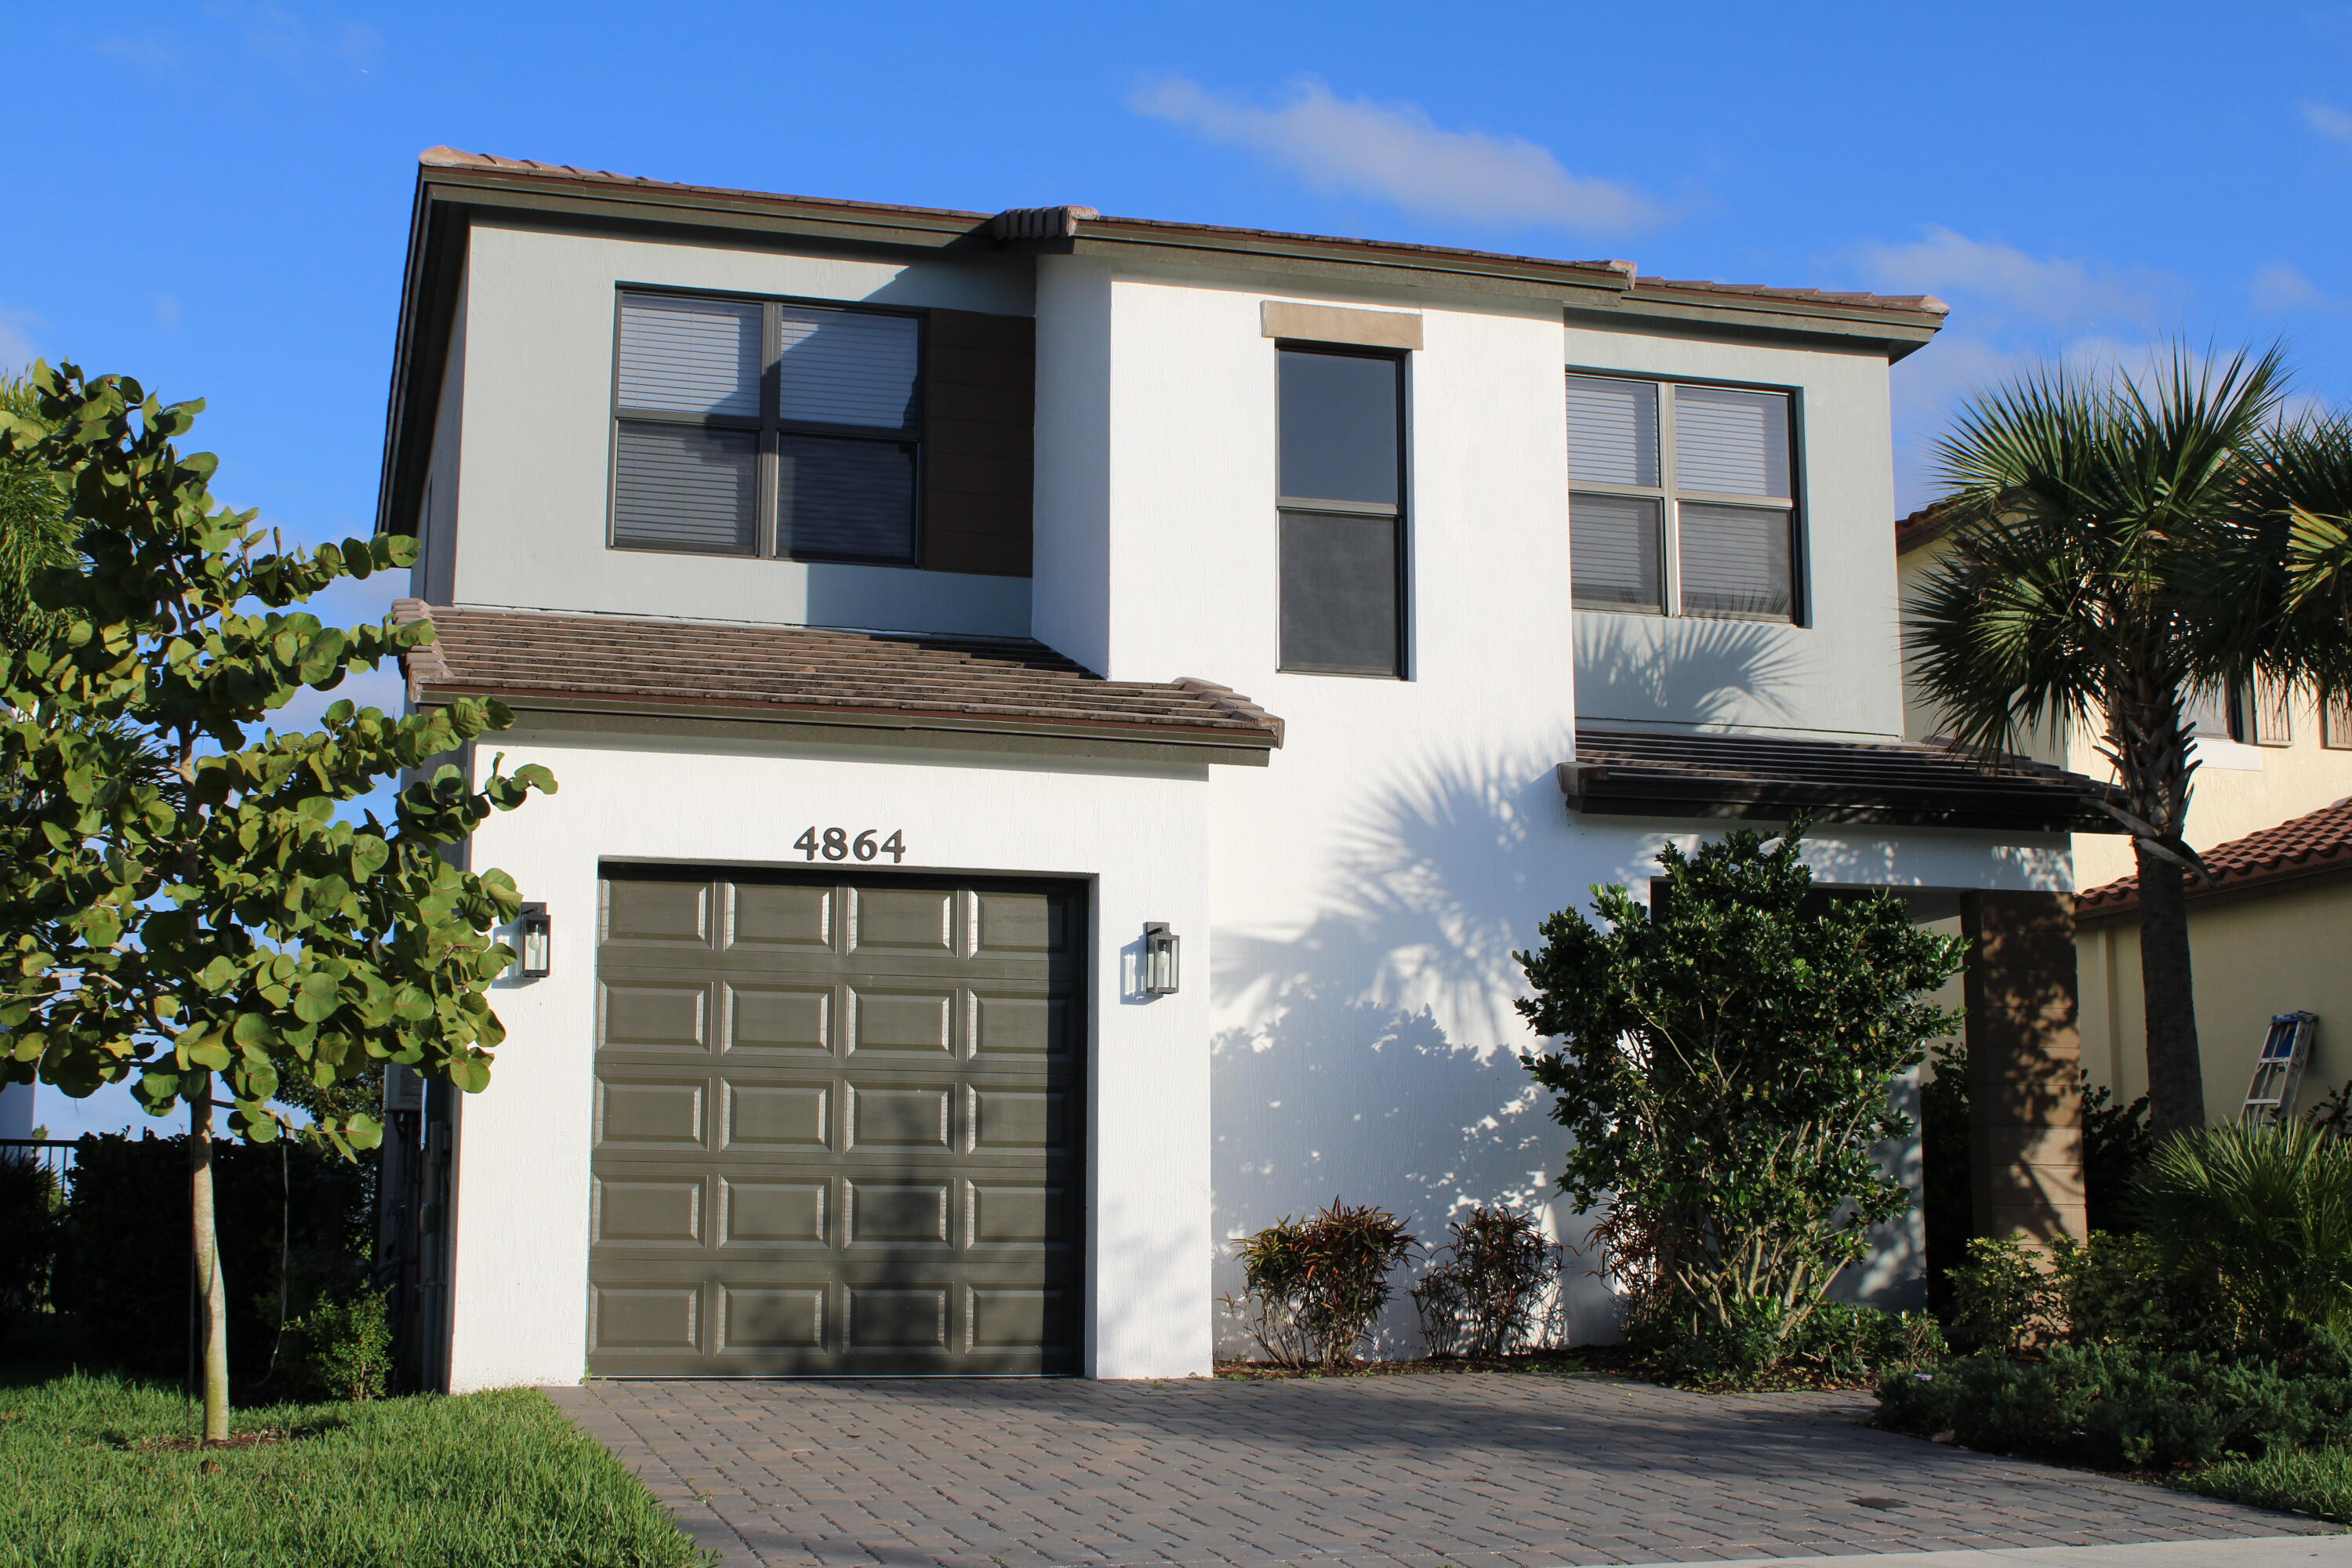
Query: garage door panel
(918, 920)
(774, 1213)
(793, 1019)
(837, 1129)
(636, 1112)
(649, 1210)
(782, 917)
(899, 1021)
(661, 1018)
(793, 1116)
(666, 912)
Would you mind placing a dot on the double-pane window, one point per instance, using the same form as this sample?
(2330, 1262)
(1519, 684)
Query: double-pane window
(1342, 511)
(752, 428)
(1682, 498)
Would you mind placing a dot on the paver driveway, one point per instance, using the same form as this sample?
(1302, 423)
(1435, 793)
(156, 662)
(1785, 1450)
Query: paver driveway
(1477, 1470)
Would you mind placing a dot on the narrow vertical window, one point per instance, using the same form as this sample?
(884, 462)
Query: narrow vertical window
(1342, 512)
(1681, 500)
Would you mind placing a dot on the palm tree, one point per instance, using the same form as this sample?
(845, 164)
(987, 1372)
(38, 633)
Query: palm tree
(2115, 551)
(36, 530)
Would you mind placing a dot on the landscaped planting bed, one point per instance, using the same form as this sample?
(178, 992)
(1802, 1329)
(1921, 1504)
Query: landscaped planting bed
(101, 1471)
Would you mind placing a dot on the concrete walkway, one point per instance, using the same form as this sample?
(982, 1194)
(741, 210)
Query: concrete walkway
(1427, 1471)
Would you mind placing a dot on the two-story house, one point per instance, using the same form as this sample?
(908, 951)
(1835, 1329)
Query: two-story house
(1062, 722)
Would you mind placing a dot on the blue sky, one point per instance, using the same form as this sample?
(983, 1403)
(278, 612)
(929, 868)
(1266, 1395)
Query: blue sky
(215, 197)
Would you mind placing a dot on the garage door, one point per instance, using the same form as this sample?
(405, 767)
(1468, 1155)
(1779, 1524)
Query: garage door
(837, 1127)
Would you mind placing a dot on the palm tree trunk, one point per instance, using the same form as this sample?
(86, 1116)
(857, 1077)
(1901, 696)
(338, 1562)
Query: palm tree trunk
(2176, 1073)
(212, 1292)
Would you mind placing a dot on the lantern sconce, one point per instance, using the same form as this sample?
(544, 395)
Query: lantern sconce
(1159, 957)
(538, 939)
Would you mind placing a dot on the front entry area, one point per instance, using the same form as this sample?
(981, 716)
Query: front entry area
(838, 1125)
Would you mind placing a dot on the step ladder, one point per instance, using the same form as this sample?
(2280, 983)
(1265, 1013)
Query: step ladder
(2278, 1071)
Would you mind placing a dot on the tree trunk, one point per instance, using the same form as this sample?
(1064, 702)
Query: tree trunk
(212, 1292)
(2176, 1073)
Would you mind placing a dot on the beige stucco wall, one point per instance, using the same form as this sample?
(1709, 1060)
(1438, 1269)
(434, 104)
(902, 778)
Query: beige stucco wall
(2257, 952)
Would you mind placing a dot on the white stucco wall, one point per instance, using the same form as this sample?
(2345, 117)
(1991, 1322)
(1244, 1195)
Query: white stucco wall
(1841, 672)
(531, 519)
(520, 1270)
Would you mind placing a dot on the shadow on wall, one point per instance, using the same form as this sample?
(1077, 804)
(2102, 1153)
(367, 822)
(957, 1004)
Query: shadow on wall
(1381, 1062)
(1686, 670)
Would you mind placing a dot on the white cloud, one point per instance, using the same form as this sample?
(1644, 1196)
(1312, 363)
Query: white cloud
(2000, 281)
(2329, 122)
(2279, 288)
(1395, 153)
(167, 313)
(17, 349)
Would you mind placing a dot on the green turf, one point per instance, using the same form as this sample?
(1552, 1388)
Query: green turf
(499, 1479)
(2316, 1482)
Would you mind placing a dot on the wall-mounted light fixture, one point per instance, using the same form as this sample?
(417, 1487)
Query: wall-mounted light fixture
(1158, 959)
(538, 939)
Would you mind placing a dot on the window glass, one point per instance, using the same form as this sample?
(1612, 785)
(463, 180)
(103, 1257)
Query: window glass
(1339, 427)
(1735, 562)
(1339, 593)
(1614, 553)
(2212, 711)
(842, 367)
(1731, 443)
(681, 487)
(845, 499)
(1612, 431)
(689, 356)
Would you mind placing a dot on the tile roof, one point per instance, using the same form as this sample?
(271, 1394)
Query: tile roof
(1769, 778)
(1046, 222)
(2315, 843)
(1921, 526)
(595, 661)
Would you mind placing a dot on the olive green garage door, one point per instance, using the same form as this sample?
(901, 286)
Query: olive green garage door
(837, 1126)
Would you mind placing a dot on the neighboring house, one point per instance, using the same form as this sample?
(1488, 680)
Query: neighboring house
(2267, 936)
(1062, 722)
(2264, 756)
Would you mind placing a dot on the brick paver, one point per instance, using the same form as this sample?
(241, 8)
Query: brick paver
(1465, 1472)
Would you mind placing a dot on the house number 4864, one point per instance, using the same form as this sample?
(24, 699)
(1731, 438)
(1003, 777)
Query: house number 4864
(837, 844)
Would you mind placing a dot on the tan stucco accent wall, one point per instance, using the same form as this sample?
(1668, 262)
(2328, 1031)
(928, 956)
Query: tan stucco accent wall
(2256, 953)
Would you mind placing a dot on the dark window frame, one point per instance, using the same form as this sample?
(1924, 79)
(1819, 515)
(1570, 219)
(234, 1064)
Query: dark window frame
(1397, 516)
(770, 427)
(1669, 500)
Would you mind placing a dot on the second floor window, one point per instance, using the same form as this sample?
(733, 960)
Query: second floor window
(758, 427)
(1342, 509)
(1682, 498)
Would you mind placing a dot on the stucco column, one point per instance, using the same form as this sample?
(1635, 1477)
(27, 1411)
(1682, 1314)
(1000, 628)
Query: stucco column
(2026, 1100)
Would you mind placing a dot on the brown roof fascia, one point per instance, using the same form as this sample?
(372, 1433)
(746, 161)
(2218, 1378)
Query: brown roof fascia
(1922, 528)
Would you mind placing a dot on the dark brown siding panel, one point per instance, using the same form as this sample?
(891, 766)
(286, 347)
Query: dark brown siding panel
(980, 393)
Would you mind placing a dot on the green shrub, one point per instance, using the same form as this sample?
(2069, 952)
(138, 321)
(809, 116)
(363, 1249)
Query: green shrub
(2117, 1143)
(2124, 1407)
(342, 1348)
(2113, 1289)
(2262, 1213)
(1486, 1298)
(1854, 1343)
(1315, 1287)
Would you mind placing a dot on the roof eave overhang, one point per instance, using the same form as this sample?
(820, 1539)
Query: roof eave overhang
(1597, 792)
(2245, 887)
(573, 712)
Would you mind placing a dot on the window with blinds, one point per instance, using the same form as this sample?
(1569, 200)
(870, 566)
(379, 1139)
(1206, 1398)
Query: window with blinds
(1682, 498)
(757, 427)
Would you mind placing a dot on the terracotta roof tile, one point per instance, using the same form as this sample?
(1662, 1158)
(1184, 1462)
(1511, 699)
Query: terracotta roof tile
(2316, 843)
(1008, 684)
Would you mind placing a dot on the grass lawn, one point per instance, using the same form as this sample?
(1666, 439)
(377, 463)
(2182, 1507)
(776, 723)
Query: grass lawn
(2317, 1483)
(499, 1479)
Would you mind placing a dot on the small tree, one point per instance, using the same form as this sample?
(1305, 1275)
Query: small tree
(1726, 1059)
(222, 927)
